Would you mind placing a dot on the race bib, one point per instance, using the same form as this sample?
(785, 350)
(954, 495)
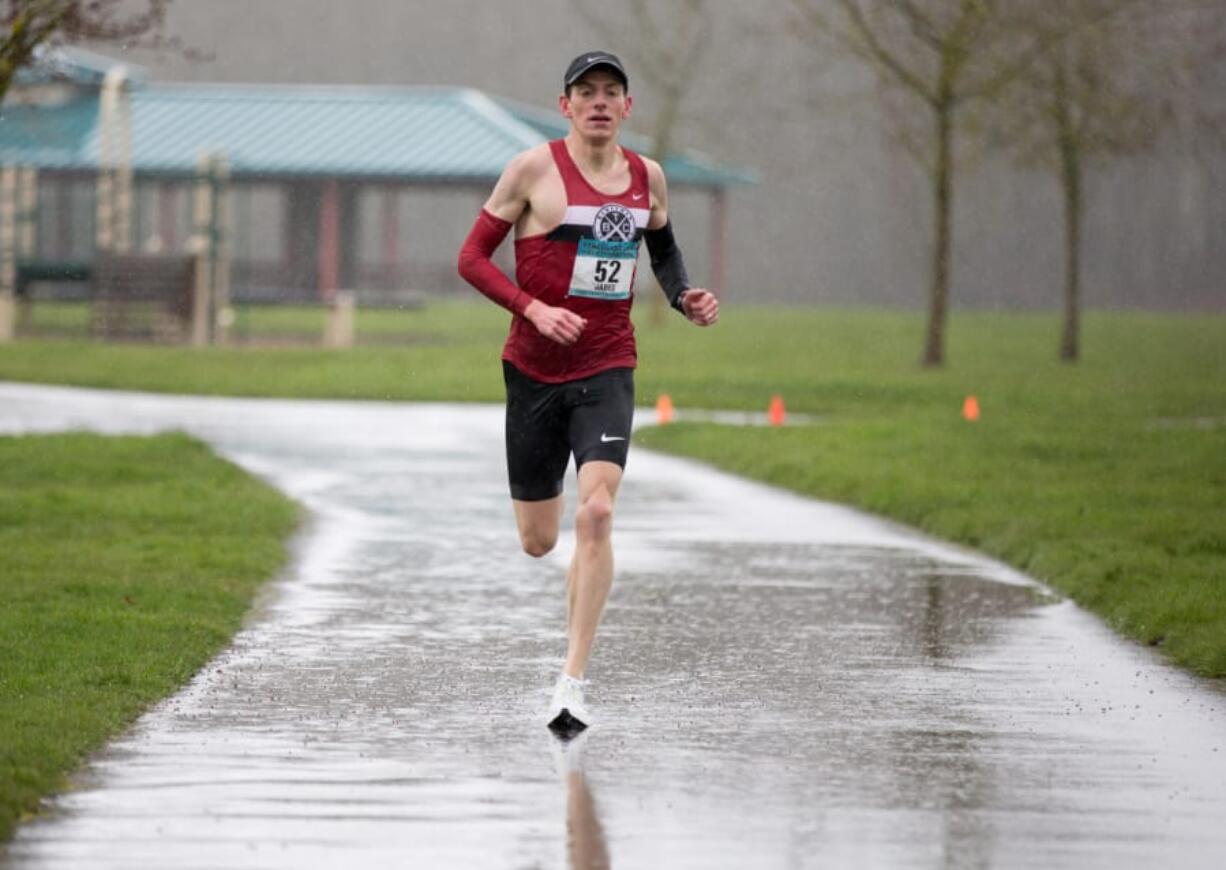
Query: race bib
(604, 269)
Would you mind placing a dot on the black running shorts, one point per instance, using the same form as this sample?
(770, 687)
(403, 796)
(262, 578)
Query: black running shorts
(546, 423)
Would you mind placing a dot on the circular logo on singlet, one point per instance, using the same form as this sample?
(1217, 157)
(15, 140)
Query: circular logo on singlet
(614, 223)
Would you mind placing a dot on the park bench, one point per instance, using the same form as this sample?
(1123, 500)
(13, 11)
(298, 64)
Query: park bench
(51, 271)
(143, 296)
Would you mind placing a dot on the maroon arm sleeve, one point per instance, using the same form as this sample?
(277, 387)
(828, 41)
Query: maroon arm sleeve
(478, 269)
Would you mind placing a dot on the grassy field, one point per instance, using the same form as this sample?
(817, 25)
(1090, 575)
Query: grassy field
(125, 564)
(441, 352)
(1106, 479)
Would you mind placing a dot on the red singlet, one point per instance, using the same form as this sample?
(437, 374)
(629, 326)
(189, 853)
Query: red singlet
(585, 264)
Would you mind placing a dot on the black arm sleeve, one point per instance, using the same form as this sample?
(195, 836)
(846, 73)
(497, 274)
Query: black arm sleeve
(667, 264)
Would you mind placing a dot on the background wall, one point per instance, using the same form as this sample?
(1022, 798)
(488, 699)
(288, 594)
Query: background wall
(839, 214)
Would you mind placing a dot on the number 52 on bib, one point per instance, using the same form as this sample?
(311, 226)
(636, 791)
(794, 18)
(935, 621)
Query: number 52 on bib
(604, 270)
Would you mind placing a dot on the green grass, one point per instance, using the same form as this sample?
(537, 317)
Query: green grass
(253, 323)
(125, 564)
(445, 352)
(1106, 479)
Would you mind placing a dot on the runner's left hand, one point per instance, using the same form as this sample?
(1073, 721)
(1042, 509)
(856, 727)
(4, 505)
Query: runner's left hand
(700, 306)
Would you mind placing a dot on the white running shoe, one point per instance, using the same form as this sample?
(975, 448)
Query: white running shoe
(567, 711)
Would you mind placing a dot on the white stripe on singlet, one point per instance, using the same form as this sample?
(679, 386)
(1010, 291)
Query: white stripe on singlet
(585, 215)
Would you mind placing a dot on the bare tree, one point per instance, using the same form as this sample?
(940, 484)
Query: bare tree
(33, 23)
(934, 56)
(1113, 78)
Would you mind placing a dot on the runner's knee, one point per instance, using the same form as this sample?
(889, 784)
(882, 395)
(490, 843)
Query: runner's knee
(594, 518)
(537, 543)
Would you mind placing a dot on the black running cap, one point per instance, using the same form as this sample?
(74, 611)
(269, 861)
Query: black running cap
(590, 60)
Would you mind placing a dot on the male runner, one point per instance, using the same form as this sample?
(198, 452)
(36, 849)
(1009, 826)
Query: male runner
(579, 206)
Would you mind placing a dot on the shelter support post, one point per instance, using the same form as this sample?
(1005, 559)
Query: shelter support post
(27, 212)
(329, 240)
(219, 251)
(202, 294)
(113, 205)
(8, 317)
(391, 238)
(210, 315)
(26, 236)
(8, 253)
(167, 217)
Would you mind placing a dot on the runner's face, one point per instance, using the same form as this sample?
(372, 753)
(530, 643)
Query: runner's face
(596, 105)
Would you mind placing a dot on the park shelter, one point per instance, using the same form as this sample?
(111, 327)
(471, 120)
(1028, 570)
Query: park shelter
(329, 187)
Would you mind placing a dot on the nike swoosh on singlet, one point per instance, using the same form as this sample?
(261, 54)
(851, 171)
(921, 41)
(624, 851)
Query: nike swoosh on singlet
(636, 196)
(605, 439)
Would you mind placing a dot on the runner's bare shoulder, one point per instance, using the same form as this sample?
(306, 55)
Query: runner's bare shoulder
(513, 193)
(528, 167)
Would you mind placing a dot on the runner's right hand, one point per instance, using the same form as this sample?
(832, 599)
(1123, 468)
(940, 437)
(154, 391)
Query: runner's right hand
(556, 324)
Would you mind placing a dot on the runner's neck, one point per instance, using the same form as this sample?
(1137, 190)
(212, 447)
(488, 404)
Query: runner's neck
(594, 159)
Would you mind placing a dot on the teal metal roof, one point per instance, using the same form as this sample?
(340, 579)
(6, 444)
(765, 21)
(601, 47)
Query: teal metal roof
(453, 134)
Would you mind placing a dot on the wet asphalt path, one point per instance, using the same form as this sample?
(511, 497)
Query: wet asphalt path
(781, 683)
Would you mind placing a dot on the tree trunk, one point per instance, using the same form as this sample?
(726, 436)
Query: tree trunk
(1070, 349)
(1070, 182)
(942, 196)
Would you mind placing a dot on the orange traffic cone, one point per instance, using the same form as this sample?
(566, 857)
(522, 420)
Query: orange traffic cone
(776, 412)
(664, 409)
(970, 408)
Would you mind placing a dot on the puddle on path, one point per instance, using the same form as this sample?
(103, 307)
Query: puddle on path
(781, 684)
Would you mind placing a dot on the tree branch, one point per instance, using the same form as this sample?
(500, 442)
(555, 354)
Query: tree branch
(872, 49)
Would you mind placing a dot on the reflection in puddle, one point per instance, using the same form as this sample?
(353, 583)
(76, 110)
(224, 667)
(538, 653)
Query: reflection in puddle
(586, 845)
